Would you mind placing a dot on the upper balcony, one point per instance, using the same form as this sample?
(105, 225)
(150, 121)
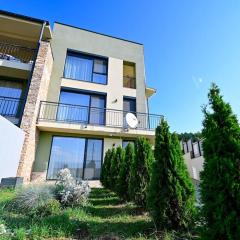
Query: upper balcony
(16, 56)
(70, 118)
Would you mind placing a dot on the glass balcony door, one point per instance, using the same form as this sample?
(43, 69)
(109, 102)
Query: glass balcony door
(81, 107)
(129, 105)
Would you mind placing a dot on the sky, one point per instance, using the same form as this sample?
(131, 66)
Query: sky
(188, 44)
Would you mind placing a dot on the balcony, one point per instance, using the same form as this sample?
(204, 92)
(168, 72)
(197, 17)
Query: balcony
(16, 61)
(87, 117)
(10, 108)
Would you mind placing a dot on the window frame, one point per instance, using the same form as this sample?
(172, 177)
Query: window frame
(90, 94)
(135, 72)
(89, 57)
(85, 154)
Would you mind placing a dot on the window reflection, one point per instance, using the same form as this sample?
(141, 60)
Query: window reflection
(83, 157)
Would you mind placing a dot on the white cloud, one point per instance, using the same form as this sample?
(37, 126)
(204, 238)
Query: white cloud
(197, 81)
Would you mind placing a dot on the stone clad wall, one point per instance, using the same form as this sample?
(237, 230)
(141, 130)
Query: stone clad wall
(37, 92)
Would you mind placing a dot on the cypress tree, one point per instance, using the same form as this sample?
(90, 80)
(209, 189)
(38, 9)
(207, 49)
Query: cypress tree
(124, 173)
(220, 179)
(170, 197)
(104, 178)
(139, 171)
(115, 167)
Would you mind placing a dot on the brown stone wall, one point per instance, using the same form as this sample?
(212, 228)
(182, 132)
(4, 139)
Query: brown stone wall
(37, 92)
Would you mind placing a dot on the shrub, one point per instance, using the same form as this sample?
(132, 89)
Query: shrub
(69, 191)
(170, 197)
(124, 172)
(220, 179)
(32, 197)
(140, 171)
(105, 179)
(51, 207)
(115, 166)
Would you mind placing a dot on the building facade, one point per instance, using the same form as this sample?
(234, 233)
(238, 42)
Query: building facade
(71, 95)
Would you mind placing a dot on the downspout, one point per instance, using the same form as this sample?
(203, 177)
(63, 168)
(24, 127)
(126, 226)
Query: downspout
(30, 75)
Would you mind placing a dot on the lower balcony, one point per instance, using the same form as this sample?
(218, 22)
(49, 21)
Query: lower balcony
(10, 108)
(69, 118)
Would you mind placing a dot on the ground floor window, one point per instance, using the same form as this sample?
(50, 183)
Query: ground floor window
(82, 156)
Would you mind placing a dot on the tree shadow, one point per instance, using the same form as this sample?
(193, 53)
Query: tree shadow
(123, 230)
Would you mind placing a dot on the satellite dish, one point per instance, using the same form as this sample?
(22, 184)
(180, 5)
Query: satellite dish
(131, 120)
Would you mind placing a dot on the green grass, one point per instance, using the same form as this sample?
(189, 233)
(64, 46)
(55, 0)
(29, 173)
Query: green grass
(105, 216)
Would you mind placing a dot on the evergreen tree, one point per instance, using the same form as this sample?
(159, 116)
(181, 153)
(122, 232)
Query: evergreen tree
(115, 167)
(124, 173)
(106, 169)
(170, 197)
(220, 179)
(139, 171)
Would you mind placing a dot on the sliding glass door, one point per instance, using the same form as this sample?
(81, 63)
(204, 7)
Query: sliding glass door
(81, 155)
(81, 107)
(66, 152)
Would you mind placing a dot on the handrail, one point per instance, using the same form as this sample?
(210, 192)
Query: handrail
(72, 113)
(112, 109)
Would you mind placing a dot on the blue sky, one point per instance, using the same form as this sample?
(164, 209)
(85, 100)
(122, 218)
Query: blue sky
(188, 44)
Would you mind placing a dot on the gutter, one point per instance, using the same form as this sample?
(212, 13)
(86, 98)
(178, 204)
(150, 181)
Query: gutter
(44, 23)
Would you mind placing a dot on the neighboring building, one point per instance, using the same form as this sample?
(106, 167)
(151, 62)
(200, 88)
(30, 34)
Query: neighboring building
(70, 92)
(193, 156)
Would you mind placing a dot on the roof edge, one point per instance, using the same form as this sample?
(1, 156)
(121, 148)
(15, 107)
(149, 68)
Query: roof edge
(106, 35)
(23, 17)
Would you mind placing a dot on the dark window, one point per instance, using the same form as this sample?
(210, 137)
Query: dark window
(81, 107)
(86, 68)
(129, 75)
(83, 157)
(129, 105)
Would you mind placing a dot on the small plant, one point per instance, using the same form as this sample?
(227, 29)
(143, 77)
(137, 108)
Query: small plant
(30, 198)
(3, 229)
(52, 207)
(69, 191)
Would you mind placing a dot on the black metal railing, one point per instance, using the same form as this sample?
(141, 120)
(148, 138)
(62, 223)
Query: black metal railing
(17, 53)
(129, 82)
(10, 107)
(68, 113)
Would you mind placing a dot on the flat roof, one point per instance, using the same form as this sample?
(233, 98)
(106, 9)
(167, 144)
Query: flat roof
(23, 17)
(87, 30)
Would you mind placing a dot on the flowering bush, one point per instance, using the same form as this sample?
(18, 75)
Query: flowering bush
(69, 191)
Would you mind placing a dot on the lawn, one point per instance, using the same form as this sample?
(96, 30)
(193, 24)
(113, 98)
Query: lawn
(104, 217)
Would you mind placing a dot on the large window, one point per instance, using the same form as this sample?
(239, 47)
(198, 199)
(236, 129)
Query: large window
(129, 75)
(81, 107)
(86, 68)
(82, 156)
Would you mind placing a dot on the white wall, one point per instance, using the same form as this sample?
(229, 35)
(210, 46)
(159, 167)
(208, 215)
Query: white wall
(11, 141)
